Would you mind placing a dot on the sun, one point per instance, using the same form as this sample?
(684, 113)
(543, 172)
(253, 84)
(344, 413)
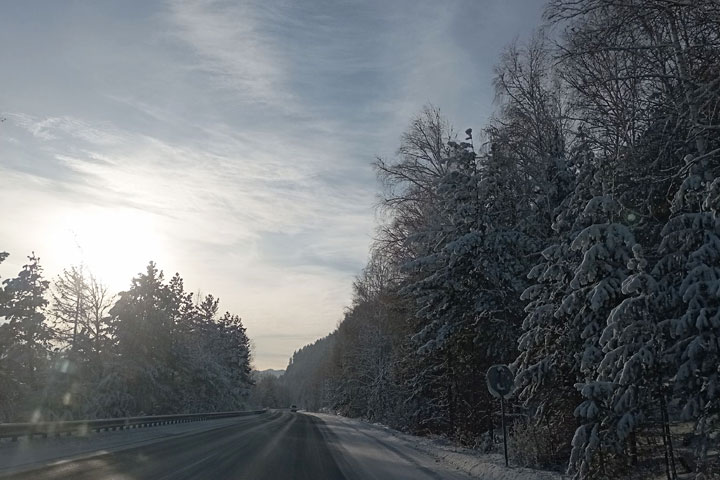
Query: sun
(112, 243)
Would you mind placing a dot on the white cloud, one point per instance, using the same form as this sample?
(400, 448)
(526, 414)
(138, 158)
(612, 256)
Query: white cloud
(230, 45)
(134, 198)
(235, 139)
(56, 128)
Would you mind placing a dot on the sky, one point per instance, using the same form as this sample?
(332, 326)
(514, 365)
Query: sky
(230, 141)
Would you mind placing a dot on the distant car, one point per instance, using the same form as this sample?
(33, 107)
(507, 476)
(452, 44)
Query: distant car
(293, 408)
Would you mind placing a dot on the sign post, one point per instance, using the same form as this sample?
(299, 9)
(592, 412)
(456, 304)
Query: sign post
(500, 382)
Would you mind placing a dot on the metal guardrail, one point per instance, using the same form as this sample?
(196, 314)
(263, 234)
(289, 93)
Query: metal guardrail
(83, 427)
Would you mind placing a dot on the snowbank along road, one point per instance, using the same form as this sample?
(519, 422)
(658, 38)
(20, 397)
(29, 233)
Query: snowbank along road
(275, 445)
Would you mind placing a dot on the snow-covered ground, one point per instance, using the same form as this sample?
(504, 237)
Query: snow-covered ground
(31, 453)
(381, 452)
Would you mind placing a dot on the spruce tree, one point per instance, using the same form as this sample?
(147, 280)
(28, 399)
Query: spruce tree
(26, 334)
(142, 327)
(691, 264)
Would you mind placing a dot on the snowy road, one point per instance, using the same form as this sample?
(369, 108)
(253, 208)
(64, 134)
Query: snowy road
(277, 445)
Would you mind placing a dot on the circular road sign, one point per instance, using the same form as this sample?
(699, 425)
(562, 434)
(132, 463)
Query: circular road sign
(500, 380)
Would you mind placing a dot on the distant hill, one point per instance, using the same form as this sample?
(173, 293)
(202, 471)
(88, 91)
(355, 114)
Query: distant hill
(268, 372)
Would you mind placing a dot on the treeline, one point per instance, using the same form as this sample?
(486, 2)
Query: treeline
(306, 378)
(71, 350)
(576, 238)
(304, 383)
(269, 391)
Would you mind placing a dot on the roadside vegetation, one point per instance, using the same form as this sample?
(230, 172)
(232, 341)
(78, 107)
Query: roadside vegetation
(575, 237)
(71, 350)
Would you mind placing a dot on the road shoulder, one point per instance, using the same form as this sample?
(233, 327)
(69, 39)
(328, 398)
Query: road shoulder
(435, 454)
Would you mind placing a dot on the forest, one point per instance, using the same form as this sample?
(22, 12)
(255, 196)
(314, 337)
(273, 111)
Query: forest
(71, 350)
(575, 237)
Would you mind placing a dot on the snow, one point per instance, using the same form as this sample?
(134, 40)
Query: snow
(387, 453)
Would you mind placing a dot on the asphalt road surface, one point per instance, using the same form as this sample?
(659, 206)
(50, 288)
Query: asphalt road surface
(278, 445)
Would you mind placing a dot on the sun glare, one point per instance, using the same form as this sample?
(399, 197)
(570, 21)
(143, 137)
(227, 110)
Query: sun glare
(113, 243)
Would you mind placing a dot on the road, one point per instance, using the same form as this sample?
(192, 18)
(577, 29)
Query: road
(277, 445)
